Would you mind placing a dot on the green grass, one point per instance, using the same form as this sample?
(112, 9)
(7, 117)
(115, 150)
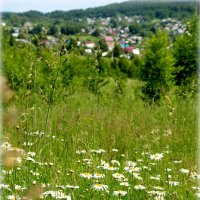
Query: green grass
(125, 127)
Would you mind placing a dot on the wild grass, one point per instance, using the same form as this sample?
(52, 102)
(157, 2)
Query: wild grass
(62, 141)
(102, 148)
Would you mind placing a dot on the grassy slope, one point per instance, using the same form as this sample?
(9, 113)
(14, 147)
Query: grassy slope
(84, 122)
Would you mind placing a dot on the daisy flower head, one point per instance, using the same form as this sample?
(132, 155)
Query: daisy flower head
(155, 177)
(120, 193)
(80, 152)
(115, 162)
(18, 187)
(32, 154)
(99, 186)
(184, 171)
(56, 195)
(4, 186)
(159, 197)
(194, 175)
(87, 161)
(28, 144)
(107, 166)
(130, 163)
(139, 187)
(98, 151)
(68, 186)
(173, 183)
(11, 197)
(137, 176)
(158, 188)
(124, 184)
(177, 161)
(118, 176)
(169, 176)
(98, 175)
(86, 175)
(132, 169)
(157, 156)
(6, 145)
(196, 188)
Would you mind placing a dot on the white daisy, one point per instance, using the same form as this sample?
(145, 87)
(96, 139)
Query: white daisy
(118, 176)
(120, 193)
(124, 184)
(57, 195)
(86, 175)
(184, 171)
(157, 156)
(140, 187)
(98, 175)
(99, 186)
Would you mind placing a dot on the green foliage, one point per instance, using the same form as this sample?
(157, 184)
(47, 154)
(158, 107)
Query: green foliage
(96, 33)
(157, 68)
(11, 41)
(115, 68)
(117, 51)
(53, 30)
(186, 55)
(113, 23)
(36, 30)
(71, 28)
(105, 66)
(125, 66)
(135, 67)
(80, 114)
(102, 44)
(135, 28)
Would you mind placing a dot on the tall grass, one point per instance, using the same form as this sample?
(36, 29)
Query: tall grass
(90, 134)
(81, 141)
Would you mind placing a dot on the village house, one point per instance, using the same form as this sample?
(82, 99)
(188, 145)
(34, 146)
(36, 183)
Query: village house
(15, 32)
(88, 51)
(89, 45)
(131, 50)
(110, 42)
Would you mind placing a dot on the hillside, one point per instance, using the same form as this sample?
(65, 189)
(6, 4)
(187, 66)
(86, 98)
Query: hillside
(150, 10)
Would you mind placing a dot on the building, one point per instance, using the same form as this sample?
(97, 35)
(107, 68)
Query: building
(90, 45)
(110, 42)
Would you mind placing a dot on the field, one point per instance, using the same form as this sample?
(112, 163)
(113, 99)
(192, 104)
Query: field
(90, 147)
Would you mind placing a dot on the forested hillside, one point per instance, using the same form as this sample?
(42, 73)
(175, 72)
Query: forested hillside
(150, 10)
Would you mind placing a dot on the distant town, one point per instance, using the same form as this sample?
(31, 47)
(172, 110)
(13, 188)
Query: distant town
(125, 32)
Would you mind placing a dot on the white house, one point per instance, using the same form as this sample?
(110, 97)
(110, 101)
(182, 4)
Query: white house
(136, 52)
(90, 45)
(88, 51)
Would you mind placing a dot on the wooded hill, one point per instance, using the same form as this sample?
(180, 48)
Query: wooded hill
(148, 9)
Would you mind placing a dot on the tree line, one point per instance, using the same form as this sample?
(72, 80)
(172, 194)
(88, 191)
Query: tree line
(149, 10)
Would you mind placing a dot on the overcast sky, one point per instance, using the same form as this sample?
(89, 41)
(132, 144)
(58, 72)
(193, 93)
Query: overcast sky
(51, 5)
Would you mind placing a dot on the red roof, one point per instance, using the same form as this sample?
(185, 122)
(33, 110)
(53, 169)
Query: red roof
(108, 38)
(129, 49)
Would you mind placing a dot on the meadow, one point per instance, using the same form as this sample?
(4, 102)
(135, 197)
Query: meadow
(95, 148)
(72, 131)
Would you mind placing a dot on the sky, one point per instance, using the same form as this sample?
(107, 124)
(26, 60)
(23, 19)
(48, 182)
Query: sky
(51, 5)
